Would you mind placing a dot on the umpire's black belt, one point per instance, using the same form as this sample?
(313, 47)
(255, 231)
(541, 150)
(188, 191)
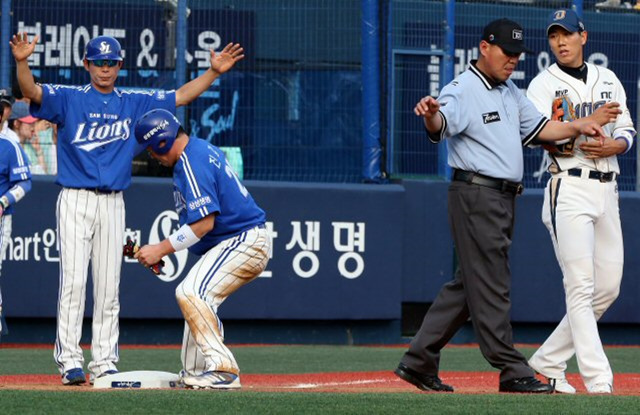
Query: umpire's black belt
(593, 174)
(486, 181)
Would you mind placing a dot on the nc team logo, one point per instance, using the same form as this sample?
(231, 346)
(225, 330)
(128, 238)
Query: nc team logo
(105, 48)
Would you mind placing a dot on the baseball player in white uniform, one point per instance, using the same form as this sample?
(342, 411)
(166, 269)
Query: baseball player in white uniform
(580, 207)
(95, 150)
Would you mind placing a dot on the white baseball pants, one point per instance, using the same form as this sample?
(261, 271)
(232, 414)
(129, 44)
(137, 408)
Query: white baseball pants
(583, 218)
(219, 273)
(90, 227)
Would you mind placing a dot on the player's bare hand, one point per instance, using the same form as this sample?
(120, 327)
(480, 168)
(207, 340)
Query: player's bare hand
(595, 149)
(223, 61)
(606, 113)
(149, 255)
(21, 47)
(589, 128)
(427, 107)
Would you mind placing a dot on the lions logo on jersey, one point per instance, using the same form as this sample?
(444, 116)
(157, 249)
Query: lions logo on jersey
(97, 135)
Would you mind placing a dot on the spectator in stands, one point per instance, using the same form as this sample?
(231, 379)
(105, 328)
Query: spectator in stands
(23, 125)
(46, 134)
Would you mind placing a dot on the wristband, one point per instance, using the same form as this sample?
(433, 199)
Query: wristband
(626, 136)
(4, 202)
(183, 238)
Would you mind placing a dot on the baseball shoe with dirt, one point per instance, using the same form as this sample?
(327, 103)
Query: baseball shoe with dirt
(212, 380)
(93, 377)
(74, 376)
(600, 388)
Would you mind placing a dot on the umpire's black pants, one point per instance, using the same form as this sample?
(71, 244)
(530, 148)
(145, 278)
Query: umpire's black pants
(482, 225)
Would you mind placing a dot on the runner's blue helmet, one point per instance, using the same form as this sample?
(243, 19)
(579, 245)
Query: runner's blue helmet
(103, 47)
(157, 129)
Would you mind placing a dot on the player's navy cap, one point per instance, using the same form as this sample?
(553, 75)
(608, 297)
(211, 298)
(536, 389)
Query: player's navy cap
(20, 112)
(567, 19)
(507, 34)
(5, 96)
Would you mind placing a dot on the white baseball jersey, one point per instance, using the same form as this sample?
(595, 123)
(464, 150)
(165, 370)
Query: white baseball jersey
(582, 215)
(602, 86)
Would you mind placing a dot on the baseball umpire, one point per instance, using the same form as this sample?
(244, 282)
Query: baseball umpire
(220, 222)
(580, 207)
(95, 152)
(15, 182)
(486, 120)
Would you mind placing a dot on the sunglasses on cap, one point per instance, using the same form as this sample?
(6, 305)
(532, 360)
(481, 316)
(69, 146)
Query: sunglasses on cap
(101, 62)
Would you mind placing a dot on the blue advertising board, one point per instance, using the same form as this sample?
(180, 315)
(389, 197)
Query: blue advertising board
(333, 255)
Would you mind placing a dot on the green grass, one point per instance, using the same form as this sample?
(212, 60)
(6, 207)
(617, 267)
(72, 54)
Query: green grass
(206, 402)
(298, 359)
(295, 359)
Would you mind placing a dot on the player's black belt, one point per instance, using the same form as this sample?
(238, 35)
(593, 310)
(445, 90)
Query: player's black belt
(594, 174)
(99, 191)
(486, 181)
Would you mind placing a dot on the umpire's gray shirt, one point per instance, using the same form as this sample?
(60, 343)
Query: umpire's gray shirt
(487, 124)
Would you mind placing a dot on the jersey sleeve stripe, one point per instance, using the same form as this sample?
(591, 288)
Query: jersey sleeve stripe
(437, 137)
(190, 176)
(19, 157)
(193, 184)
(528, 139)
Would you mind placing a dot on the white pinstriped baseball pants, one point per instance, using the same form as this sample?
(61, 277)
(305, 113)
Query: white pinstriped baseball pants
(90, 227)
(219, 273)
(583, 218)
(5, 234)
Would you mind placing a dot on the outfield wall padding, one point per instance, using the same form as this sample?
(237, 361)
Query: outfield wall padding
(340, 252)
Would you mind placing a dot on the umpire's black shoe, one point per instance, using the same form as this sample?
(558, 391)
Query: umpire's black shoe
(525, 385)
(422, 382)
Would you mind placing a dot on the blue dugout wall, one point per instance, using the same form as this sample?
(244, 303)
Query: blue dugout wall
(341, 252)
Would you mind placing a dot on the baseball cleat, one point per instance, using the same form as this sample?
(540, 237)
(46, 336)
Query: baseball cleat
(212, 380)
(73, 377)
(561, 385)
(93, 377)
(601, 388)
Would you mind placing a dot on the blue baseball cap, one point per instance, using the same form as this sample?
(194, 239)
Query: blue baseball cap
(567, 19)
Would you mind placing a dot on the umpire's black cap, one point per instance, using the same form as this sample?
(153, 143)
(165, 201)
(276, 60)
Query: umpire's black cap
(507, 34)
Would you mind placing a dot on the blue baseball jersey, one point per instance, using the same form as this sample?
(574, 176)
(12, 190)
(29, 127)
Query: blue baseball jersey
(14, 166)
(204, 183)
(95, 131)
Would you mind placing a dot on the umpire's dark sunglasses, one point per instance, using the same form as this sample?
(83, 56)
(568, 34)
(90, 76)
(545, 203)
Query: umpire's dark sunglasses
(101, 62)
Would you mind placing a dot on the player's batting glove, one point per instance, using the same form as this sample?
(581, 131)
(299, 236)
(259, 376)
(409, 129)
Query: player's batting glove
(131, 248)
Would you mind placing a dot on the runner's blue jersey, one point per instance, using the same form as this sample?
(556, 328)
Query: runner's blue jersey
(95, 131)
(14, 167)
(204, 183)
